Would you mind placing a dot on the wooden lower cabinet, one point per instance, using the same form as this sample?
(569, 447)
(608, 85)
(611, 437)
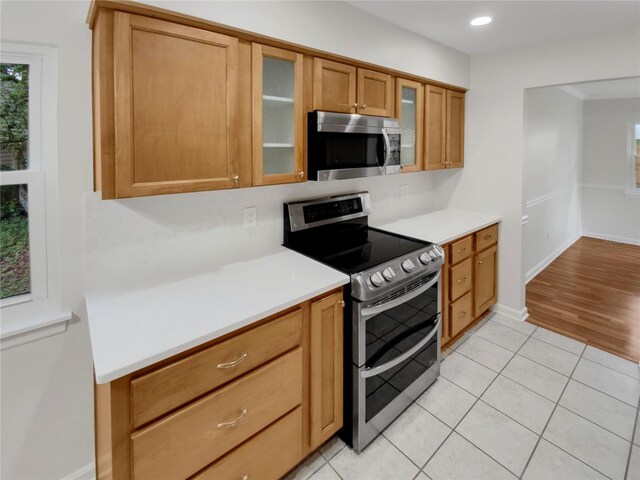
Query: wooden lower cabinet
(253, 403)
(470, 281)
(326, 368)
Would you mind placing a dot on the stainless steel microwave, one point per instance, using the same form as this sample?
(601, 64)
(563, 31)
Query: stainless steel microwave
(342, 146)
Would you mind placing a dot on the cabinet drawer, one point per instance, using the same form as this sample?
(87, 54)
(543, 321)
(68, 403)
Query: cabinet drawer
(460, 314)
(460, 250)
(180, 445)
(178, 383)
(268, 455)
(486, 237)
(460, 279)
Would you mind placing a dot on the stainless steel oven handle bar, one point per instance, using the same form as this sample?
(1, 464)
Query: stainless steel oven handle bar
(368, 311)
(387, 152)
(372, 372)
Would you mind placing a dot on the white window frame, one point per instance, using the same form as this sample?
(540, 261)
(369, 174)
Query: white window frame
(37, 314)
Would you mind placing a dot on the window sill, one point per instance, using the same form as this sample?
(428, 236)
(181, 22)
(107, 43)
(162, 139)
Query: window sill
(31, 330)
(633, 193)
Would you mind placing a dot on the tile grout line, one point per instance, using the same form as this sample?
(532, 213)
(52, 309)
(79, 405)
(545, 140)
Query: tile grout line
(454, 429)
(633, 436)
(557, 404)
(612, 369)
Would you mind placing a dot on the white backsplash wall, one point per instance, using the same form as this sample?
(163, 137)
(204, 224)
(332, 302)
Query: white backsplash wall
(138, 241)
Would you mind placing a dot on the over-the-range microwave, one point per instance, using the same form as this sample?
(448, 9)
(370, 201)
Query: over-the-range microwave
(342, 146)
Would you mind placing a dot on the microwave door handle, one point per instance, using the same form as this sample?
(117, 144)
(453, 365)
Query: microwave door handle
(387, 150)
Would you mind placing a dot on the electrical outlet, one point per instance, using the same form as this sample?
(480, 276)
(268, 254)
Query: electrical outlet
(404, 190)
(250, 216)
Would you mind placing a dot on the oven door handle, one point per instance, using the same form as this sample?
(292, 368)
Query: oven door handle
(368, 311)
(372, 372)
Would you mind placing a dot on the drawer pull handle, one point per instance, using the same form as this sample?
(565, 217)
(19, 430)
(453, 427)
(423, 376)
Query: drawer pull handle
(462, 314)
(341, 303)
(462, 250)
(245, 477)
(233, 423)
(479, 262)
(487, 237)
(235, 363)
(462, 280)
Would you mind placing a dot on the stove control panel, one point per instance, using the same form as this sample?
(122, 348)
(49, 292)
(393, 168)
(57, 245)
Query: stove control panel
(395, 273)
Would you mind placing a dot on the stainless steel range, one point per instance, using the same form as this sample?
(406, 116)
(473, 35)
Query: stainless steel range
(392, 316)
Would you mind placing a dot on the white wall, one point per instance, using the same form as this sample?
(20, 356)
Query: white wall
(492, 179)
(47, 411)
(606, 211)
(552, 173)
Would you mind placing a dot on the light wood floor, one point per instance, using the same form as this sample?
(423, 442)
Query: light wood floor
(591, 293)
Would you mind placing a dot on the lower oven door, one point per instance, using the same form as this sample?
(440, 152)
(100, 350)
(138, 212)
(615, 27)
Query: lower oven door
(397, 356)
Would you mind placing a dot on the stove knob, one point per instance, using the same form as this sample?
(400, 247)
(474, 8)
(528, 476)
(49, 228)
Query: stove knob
(408, 265)
(425, 258)
(433, 254)
(377, 279)
(388, 274)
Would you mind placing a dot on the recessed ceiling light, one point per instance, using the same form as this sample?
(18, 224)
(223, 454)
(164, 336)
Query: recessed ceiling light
(476, 22)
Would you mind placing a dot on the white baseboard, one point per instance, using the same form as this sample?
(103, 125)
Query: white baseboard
(547, 261)
(88, 472)
(612, 238)
(512, 313)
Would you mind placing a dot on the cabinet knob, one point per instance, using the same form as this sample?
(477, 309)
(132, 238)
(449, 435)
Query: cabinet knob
(462, 280)
(245, 477)
(462, 314)
(355, 105)
(364, 106)
(301, 174)
(487, 237)
(235, 179)
(341, 303)
(479, 262)
(462, 250)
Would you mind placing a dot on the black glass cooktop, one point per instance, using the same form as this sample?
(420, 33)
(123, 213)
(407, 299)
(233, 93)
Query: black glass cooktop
(353, 250)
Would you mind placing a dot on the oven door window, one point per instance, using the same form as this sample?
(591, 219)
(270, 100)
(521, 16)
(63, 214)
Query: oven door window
(389, 335)
(349, 150)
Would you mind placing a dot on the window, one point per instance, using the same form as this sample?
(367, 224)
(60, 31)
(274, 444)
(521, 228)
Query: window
(29, 294)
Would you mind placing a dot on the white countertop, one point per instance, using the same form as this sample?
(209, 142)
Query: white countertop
(134, 329)
(441, 226)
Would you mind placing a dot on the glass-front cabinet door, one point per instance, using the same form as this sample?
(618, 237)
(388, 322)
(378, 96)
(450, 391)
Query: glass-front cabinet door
(278, 116)
(409, 109)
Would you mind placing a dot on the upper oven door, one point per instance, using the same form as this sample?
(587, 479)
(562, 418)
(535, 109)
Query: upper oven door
(351, 146)
(389, 331)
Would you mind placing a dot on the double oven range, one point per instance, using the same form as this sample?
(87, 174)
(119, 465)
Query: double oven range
(392, 307)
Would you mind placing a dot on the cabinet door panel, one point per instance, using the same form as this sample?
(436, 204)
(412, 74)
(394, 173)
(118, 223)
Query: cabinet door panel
(334, 86)
(435, 128)
(455, 129)
(485, 281)
(409, 109)
(175, 107)
(278, 116)
(326, 368)
(374, 93)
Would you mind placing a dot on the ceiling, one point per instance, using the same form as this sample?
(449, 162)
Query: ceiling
(515, 23)
(606, 89)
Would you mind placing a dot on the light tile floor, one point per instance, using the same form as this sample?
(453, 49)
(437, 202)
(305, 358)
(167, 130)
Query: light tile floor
(513, 401)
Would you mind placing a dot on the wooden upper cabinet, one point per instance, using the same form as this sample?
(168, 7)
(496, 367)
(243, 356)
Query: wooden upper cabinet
(278, 116)
(435, 127)
(165, 106)
(342, 88)
(409, 109)
(455, 129)
(326, 368)
(375, 93)
(334, 86)
(444, 128)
